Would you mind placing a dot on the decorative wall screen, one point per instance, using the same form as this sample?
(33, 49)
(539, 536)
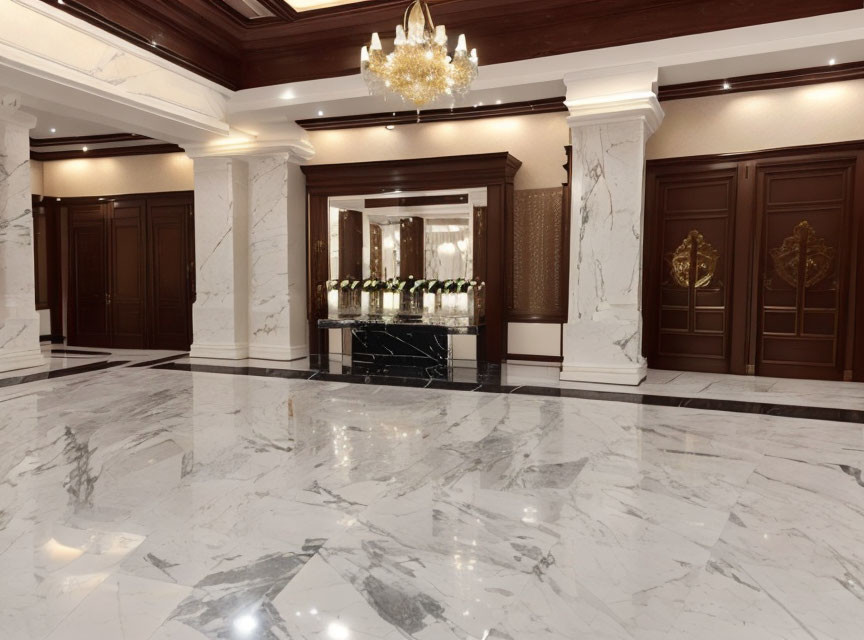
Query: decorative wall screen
(537, 280)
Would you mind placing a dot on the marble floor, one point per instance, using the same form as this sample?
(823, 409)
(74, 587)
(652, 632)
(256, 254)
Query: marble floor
(159, 503)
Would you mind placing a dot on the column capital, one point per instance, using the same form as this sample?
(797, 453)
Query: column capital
(10, 105)
(291, 149)
(614, 94)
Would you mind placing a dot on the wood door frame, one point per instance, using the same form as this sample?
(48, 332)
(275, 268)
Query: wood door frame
(176, 197)
(746, 320)
(494, 171)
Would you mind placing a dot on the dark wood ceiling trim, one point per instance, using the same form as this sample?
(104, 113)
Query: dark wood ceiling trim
(762, 81)
(108, 152)
(545, 105)
(87, 140)
(203, 37)
(417, 201)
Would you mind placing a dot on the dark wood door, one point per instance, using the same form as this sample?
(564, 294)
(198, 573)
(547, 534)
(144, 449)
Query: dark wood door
(804, 214)
(170, 272)
(89, 322)
(687, 298)
(127, 284)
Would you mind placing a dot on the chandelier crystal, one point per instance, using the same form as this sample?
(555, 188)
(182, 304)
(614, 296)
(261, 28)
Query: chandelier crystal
(419, 69)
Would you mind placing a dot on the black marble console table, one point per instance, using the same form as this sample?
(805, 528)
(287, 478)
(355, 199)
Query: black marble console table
(401, 347)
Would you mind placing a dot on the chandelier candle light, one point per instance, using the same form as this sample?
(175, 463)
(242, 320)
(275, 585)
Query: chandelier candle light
(419, 68)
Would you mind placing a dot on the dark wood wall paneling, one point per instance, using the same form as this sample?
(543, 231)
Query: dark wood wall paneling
(412, 256)
(40, 147)
(495, 171)
(131, 270)
(350, 245)
(46, 258)
(797, 320)
(211, 40)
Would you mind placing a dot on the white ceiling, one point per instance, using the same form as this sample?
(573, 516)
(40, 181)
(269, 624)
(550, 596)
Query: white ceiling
(54, 117)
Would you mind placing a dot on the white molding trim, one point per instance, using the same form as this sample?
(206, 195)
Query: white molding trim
(21, 360)
(277, 352)
(219, 351)
(294, 149)
(631, 375)
(642, 105)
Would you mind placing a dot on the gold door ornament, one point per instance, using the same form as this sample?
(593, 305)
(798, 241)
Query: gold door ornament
(819, 257)
(706, 257)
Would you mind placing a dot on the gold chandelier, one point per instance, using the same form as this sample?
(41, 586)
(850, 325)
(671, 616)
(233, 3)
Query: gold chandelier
(419, 69)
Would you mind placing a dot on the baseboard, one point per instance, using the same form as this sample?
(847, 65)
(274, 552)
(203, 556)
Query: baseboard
(52, 339)
(21, 360)
(525, 357)
(631, 375)
(277, 352)
(220, 351)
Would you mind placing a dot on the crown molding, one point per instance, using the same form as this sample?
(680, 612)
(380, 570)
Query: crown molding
(105, 152)
(531, 107)
(88, 140)
(293, 149)
(642, 105)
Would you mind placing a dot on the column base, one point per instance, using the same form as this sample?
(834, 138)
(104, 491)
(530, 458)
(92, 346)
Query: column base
(220, 351)
(631, 375)
(277, 352)
(21, 360)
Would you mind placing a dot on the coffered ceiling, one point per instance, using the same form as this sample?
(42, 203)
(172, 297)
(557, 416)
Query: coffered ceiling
(255, 43)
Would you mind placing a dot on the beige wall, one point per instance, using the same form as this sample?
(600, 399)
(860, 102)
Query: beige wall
(36, 179)
(538, 141)
(114, 176)
(757, 120)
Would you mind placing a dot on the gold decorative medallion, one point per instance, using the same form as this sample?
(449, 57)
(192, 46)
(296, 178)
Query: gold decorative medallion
(803, 242)
(706, 261)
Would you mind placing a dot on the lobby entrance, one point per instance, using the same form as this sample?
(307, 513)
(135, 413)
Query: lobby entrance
(752, 263)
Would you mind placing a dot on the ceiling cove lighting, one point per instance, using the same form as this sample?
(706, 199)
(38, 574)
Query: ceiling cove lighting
(727, 86)
(418, 70)
(84, 149)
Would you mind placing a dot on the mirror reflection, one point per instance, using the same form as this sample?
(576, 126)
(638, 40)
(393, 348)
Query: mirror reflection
(417, 235)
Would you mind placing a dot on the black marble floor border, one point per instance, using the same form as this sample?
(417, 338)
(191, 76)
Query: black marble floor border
(150, 363)
(60, 373)
(707, 404)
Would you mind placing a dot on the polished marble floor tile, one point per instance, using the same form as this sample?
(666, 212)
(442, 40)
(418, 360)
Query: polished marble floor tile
(154, 504)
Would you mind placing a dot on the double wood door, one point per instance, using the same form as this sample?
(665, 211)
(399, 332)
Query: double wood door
(750, 265)
(131, 273)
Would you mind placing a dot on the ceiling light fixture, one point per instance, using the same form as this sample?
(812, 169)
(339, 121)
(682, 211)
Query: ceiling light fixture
(320, 113)
(84, 149)
(727, 86)
(832, 62)
(419, 70)
(53, 130)
(390, 127)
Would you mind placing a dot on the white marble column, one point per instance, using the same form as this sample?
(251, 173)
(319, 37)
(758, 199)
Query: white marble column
(19, 321)
(220, 313)
(612, 115)
(277, 258)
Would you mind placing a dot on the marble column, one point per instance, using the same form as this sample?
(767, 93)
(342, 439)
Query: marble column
(277, 258)
(19, 321)
(220, 313)
(612, 115)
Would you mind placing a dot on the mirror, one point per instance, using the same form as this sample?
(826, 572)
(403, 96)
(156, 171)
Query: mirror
(421, 235)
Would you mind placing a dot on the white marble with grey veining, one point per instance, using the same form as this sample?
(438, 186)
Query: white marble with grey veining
(168, 505)
(277, 267)
(19, 322)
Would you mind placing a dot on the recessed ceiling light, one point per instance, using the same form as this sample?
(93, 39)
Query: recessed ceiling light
(60, 2)
(59, 199)
(481, 104)
(152, 43)
(53, 130)
(320, 113)
(497, 102)
(84, 149)
(832, 61)
(390, 127)
(726, 85)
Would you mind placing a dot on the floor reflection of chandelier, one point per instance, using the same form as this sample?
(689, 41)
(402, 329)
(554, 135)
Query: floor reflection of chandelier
(419, 68)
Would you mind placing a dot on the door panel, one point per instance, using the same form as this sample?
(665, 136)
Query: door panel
(89, 323)
(128, 288)
(689, 240)
(804, 212)
(170, 268)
